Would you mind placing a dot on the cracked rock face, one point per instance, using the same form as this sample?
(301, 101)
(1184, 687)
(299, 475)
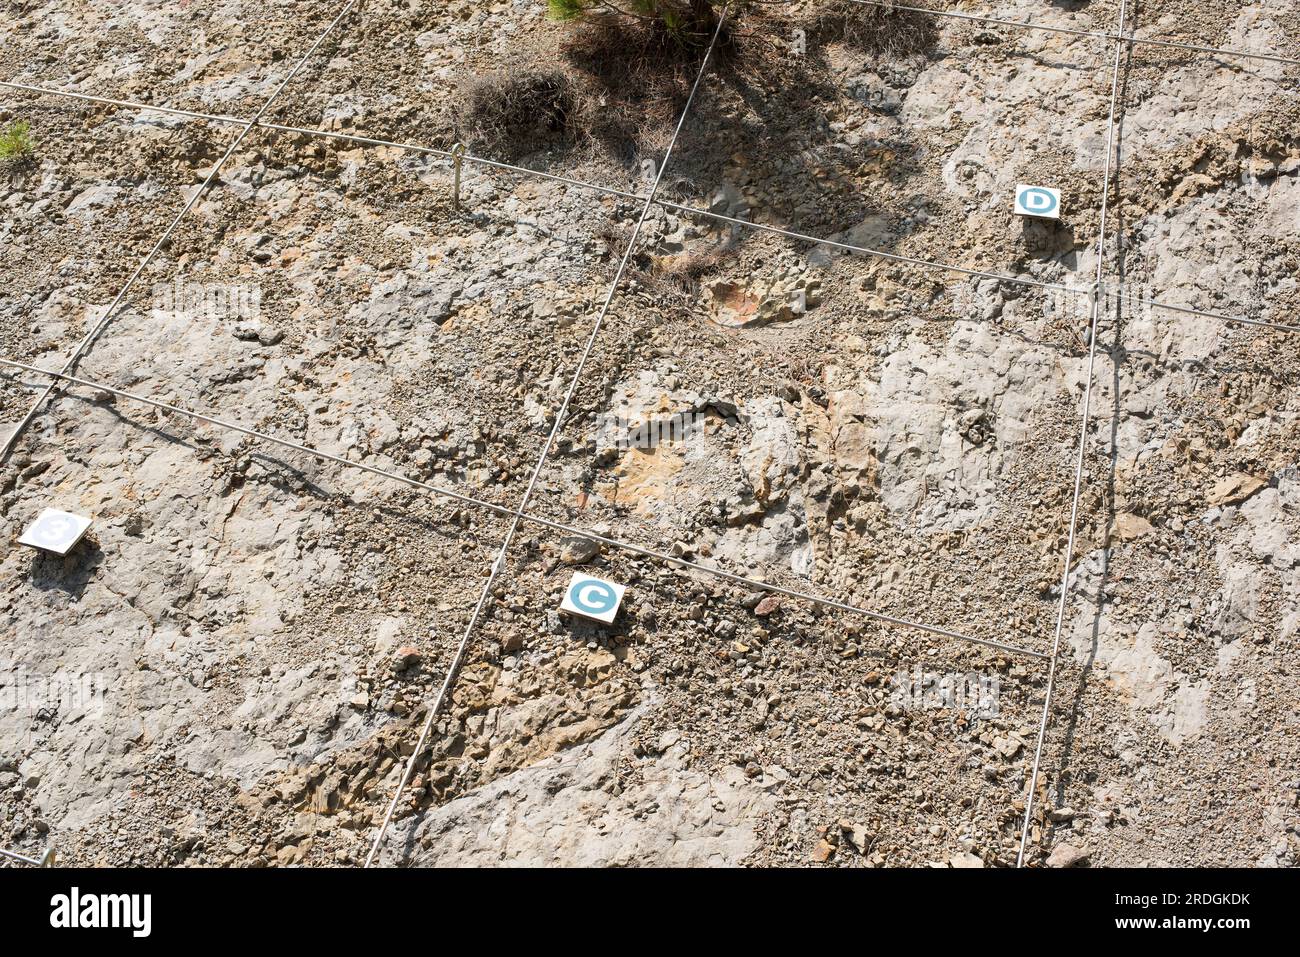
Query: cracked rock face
(234, 666)
(596, 805)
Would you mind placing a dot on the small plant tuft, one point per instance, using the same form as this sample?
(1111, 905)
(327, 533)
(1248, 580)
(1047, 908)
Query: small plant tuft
(16, 144)
(883, 31)
(565, 10)
(687, 23)
(636, 60)
(508, 115)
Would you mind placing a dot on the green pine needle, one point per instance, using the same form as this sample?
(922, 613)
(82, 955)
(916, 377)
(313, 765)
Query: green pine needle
(564, 10)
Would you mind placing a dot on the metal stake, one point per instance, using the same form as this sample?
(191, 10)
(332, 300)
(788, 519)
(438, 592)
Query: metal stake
(458, 160)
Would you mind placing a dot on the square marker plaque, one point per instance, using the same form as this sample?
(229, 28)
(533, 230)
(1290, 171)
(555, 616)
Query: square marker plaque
(1041, 201)
(55, 531)
(592, 598)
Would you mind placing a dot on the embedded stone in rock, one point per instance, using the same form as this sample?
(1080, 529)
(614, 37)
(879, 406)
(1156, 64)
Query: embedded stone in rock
(405, 657)
(1067, 855)
(823, 852)
(974, 425)
(1129, 526)
(733, 305)
(856, 835)
(257, 331)
(789, 296)
(1234, 489)
(577, 550)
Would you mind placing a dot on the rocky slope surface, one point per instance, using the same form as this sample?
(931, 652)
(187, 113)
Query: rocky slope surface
(260, 632)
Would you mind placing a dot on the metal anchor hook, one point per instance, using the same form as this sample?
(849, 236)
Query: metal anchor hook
(48, 859)
(1096, 294)
(458, 161)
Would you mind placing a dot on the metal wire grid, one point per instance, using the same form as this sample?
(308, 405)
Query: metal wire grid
(1129, 38)
(1122, 41)
(451, 155)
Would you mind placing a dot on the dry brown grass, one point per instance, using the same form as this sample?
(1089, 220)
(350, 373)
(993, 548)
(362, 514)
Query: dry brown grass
(880, 31)
(682, 273)
(624, 81)
(508, 115)
(639, 74)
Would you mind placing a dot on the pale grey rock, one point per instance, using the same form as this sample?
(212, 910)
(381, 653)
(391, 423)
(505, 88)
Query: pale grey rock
(575, 810)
